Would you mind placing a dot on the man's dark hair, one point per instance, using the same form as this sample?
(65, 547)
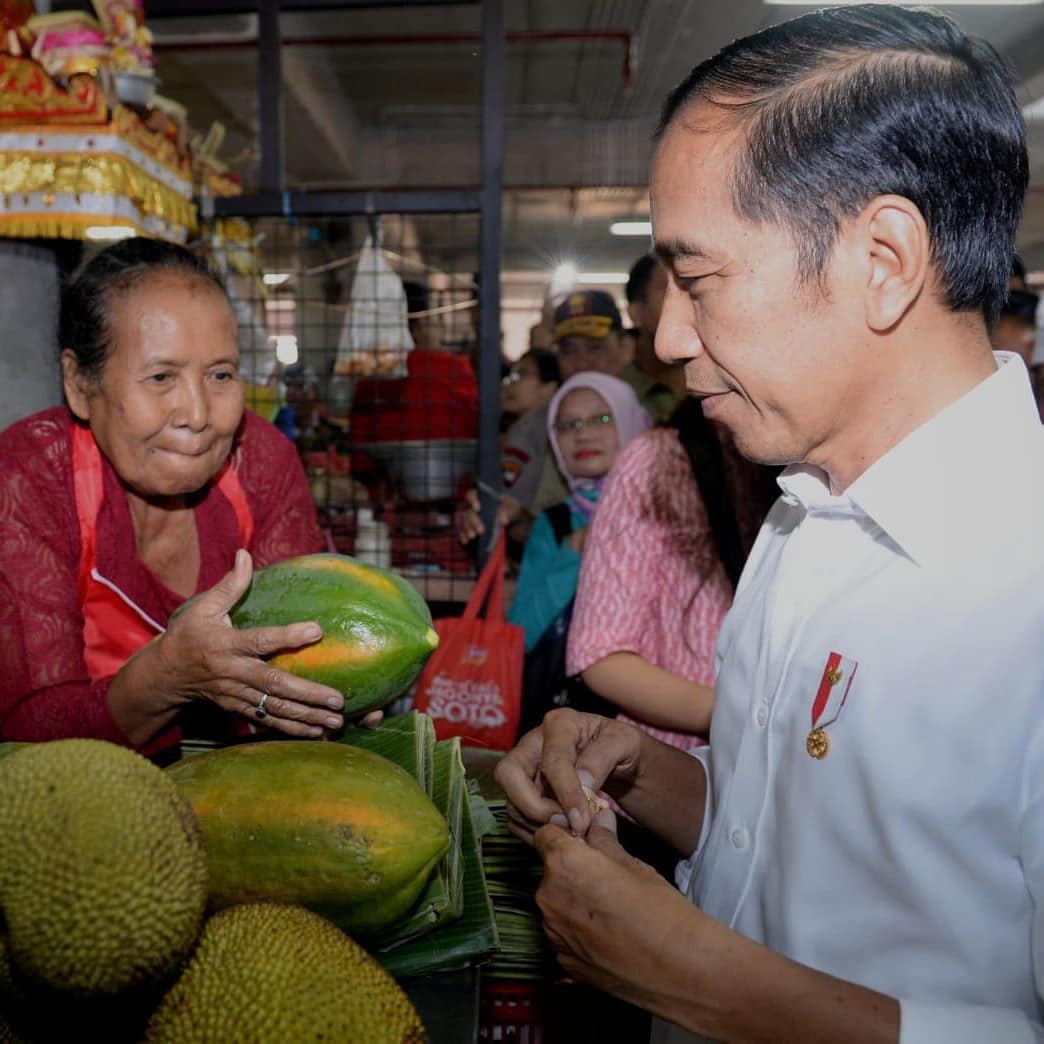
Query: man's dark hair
(547, 365)
(85, 319)
(1018, 270)
(846, 104)
(639, 276)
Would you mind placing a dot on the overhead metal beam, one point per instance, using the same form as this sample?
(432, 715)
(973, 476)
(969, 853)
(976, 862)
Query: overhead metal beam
(197, 8)
(347, 204)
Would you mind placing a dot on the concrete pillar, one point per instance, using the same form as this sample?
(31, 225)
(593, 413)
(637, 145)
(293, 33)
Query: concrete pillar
(29, 377)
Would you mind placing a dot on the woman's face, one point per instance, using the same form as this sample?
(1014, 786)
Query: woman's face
(586, 433)
(170, 398)
(522, 389)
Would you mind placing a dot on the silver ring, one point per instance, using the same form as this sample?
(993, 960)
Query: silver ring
(259, 710)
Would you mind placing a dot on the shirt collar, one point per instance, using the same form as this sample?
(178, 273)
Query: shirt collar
(922, 493)
(929, 489)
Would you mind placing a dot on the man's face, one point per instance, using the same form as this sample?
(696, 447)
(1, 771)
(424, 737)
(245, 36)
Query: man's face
(607, 354)
(775, 361)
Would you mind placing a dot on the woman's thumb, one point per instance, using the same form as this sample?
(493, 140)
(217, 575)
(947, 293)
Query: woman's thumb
(233, 585)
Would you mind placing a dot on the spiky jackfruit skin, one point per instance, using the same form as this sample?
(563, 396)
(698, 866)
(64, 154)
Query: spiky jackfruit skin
(268, 974)
(103, 879)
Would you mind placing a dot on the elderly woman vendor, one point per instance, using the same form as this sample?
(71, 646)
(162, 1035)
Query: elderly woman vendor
(152, 486)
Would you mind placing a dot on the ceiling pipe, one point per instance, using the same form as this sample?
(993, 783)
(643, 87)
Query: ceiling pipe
(238, 41)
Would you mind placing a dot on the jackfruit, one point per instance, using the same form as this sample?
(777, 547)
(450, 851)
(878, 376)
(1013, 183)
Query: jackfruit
(269, 973)
(102, 870)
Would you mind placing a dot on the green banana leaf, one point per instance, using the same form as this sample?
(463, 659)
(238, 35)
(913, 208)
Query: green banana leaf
(513, 872)
(442, 900)
(467, 940)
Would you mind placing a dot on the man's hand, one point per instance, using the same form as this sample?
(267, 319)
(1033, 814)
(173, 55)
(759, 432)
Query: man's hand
(616, 924)
(545, 774)
(611, 918)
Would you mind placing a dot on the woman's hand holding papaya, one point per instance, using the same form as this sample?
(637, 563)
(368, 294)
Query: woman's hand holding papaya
(202, 656)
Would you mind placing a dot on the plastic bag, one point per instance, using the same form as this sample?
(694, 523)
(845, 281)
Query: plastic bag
(376, 334)
(472, 684)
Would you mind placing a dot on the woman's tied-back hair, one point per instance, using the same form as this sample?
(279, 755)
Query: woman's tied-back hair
(84, 323)
(843, 105)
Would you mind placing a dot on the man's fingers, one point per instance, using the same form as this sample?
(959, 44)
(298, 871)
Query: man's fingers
(604, 841)
(550, 839)
(563, 734)
(516, 774)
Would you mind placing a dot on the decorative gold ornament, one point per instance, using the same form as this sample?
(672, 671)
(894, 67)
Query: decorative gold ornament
(817, 744)
(29, 96)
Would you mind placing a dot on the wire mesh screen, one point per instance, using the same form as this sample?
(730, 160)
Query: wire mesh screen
(359, 341)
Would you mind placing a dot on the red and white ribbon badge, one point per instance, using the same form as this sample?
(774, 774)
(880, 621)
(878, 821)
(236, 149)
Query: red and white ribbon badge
(833, 690)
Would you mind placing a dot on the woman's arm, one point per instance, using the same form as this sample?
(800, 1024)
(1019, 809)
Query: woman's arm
(641, 573)
(645, 691)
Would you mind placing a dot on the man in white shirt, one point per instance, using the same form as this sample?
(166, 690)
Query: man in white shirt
(836, 200)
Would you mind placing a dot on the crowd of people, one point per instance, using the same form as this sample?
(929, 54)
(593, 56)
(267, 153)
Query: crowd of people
(778, 542)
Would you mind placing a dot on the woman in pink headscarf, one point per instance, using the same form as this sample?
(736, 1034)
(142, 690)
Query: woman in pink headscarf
(590, 420)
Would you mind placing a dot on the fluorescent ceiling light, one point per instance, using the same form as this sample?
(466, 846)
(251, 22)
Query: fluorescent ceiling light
(109, 232)
(631, 228)
(911, 3)
(275, 278)
(619, 278)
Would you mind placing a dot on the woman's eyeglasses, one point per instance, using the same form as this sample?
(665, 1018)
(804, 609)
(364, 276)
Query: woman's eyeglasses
(563, 427)
(513, 376)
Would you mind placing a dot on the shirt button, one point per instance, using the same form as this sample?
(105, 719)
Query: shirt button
(739, 838)
(762, 716)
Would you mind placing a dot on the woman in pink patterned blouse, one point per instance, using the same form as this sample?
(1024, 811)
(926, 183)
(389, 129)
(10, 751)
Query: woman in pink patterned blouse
(150, 487)
(657, 577)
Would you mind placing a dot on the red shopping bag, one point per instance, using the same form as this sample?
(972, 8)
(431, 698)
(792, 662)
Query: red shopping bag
(472, 685)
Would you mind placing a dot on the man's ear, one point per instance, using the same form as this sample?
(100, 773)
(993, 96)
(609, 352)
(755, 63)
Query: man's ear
(75, 384)
(898, 256)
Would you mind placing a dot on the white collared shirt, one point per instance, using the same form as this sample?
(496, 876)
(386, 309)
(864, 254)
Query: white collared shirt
(910, 858)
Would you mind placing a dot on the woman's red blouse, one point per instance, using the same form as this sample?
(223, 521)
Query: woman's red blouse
(45, 692)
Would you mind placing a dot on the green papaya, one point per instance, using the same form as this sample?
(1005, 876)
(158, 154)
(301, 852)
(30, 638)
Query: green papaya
(377, 631)
(337, 829)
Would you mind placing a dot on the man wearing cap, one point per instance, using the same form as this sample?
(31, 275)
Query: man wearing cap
(588, 335)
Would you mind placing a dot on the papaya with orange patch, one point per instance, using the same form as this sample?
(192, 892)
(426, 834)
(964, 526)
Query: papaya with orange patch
(377, 631)
(332, 827)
